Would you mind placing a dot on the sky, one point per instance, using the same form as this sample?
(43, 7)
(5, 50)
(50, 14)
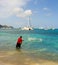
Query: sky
(16, 13)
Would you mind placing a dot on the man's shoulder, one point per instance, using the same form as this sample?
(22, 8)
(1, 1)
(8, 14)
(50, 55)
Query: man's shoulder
(19, 38)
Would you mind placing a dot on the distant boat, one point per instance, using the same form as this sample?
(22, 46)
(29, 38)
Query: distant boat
(52, 28)
(49, 29)
(41, 28)
(27, 27)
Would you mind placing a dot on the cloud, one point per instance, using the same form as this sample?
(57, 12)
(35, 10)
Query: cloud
(12, 7)
(45, 9)
(24, 13)
(17, 11)
(28, 12)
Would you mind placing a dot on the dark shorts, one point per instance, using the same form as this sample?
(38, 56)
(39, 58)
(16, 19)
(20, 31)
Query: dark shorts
(18, 45)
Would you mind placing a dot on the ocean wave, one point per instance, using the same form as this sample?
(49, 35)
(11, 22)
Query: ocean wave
(35, 39)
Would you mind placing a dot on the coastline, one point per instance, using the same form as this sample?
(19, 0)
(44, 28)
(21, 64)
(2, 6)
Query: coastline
(20, 58)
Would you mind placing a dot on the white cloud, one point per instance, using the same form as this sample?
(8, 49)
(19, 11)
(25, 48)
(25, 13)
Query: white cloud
(24, 13)
(10, 7)
(45, 9)
(17, 11)
(28, 12)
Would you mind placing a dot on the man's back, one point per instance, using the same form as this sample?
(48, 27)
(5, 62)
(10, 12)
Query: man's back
(19, 40)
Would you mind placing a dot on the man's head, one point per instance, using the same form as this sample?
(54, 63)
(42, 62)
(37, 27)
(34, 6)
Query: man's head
(20, 36)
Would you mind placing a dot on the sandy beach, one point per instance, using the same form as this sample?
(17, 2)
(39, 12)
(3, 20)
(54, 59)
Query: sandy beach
(20, 58)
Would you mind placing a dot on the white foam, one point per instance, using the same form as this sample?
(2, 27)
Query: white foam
(35, 39)
(31, 39)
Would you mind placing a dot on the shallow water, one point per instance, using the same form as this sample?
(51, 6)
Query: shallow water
(38, 44)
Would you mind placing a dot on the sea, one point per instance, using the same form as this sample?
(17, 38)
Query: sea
(38, 43)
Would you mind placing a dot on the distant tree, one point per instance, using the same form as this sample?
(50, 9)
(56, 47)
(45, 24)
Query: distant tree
(1, 26)
(5, 26)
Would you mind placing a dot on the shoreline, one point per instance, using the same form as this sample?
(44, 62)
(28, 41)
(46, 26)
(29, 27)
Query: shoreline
(19, 58)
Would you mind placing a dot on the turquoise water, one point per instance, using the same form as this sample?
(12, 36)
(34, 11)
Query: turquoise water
(39, 43)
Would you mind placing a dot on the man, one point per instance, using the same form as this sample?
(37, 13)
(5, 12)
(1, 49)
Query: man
(19, 42)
